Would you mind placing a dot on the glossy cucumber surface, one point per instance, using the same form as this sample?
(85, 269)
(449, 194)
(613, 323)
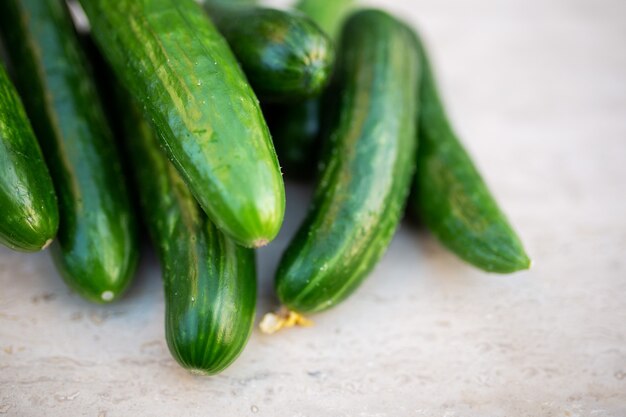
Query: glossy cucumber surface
(28, 203)
(96, 248)
(368, 163)
(173, 61)
(450, 195)
(209, 281)
(285, 55)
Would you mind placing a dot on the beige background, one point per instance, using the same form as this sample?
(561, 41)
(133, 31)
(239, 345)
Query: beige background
(538, 91)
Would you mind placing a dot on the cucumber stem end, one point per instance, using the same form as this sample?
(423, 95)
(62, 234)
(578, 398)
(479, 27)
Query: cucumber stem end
(283, 319)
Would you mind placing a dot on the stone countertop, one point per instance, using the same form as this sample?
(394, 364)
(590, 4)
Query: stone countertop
(537, 90)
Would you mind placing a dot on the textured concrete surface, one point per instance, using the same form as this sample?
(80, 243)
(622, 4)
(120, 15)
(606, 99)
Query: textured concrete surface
(538, 91)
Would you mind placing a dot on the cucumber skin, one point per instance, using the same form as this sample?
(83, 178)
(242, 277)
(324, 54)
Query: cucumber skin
(205, 113)
(450, 196)
(209, 281)
(285, 55)
(369, 163)
(28, 202)
(96, 249)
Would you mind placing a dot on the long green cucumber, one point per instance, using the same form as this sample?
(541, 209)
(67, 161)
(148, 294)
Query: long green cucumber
(296, 128)
(450, 195)
(285, 55)
(96, 250)
(178, 67)
(28, 203)
(209, 281)
(369, 163)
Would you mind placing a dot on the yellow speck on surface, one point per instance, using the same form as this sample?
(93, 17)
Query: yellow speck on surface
(283, 319)
(45, 245)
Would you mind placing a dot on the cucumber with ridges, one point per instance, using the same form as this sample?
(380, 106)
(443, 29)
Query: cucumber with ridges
(27, 199)
(209, 281)
(285, 55)
(173, 61)
(451, 197)
(369, 163)
(96, 248)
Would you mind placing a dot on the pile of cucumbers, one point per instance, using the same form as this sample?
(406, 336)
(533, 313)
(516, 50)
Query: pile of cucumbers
(152, 118)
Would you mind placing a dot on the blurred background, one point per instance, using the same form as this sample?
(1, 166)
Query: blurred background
(537, 90)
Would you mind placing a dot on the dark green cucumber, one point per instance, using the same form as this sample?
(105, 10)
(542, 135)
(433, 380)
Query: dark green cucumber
(30, 215)
(451, 197)
(96, 248)
(285, 55)
(296, 127)
(209, 281)
(368, 163)
(181, 71)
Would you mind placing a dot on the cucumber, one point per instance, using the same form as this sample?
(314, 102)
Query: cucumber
(180, 70)
(96, 248)
(204, 272)
(296, 127)
(209, 281)
(368, 164)
(285, 55)
(28, 203)
(450, 196)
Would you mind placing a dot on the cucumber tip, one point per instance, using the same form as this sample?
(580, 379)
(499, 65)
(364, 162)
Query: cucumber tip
(198, 372)
(107, 295)
(259, 243)
(282, 319)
